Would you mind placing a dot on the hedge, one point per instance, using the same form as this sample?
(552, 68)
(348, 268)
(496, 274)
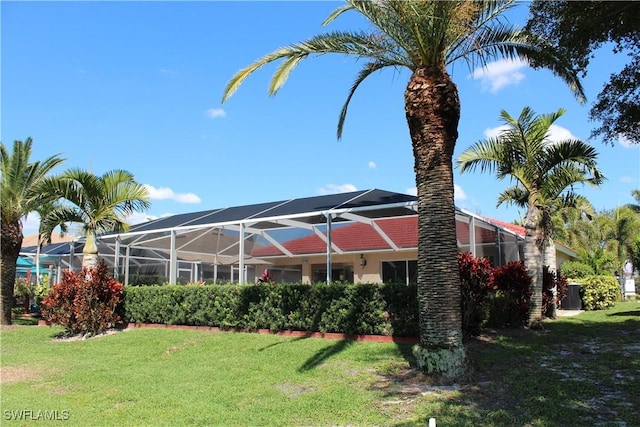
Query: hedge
(354, 309)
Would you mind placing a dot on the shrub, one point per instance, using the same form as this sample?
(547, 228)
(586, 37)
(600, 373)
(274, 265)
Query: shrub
(576, 269)
(509, 306)
(599, 292)
(552, 280)
(475, 282)
(337, 307)
(86, 303)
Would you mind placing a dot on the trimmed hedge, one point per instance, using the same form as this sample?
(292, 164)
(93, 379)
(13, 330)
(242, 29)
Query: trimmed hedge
(599, 292)
(355, 309)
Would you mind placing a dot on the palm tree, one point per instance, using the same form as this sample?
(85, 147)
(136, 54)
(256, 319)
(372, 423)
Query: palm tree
(566, 218)
(424, 37)
(99, 203)
(545, 173)
(20, 194)
(623, 228)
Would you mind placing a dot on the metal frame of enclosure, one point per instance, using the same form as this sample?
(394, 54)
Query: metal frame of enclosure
(220, 244)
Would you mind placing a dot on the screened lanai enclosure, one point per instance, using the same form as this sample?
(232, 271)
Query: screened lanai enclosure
(365, 236)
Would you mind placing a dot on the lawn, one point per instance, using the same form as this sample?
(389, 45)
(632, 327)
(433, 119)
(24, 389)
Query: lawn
(582, 370)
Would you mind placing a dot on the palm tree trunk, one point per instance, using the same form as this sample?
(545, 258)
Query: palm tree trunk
(533, 262)
(11, 242)
(550, 261)
(90, 251)
(433, 110)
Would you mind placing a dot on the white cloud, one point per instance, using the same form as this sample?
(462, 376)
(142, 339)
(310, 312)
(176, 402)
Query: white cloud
(164, 193)
(139, 217)
(413, 191)
(335, 188)
(495, 132)
(556, 133)
(499, 74)
(215, 113)
(626, 143)
(626, 179)
(372, 165)
(458, 193)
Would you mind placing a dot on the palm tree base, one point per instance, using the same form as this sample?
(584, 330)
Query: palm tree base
(449, 363)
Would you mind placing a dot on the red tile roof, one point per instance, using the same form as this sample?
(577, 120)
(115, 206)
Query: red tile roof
(403, 231)
(518, 229)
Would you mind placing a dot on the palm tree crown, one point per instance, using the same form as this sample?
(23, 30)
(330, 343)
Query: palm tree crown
(424, 37)
(415, 35)
(20, 193)
(545, 173)
(100, 203)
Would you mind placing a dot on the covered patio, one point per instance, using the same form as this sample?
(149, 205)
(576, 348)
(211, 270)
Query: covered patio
(237, 243)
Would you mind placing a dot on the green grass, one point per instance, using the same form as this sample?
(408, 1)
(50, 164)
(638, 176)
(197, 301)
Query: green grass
(582, 370)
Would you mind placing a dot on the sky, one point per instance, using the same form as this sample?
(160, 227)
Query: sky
(138, 86)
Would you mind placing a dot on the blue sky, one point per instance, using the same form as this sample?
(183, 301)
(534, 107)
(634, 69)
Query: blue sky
(138, 85)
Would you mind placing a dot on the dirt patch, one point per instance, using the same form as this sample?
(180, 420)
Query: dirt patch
(292, 390)
(80, 337)
(13, 374)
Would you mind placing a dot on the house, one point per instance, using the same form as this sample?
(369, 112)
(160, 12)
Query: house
(363, 236)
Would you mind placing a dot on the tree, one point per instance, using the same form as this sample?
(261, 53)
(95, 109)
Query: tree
(566, 218)
(424, 37)
(20, 193)
(545, 173)
(99, 203)
(594, 245)
(623, 226)
(577, 29)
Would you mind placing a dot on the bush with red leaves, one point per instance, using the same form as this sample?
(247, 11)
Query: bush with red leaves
(86, 303)
(475, 283)
(510, 306)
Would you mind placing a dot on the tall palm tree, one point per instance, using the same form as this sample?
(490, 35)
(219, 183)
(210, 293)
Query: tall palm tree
(99, 203)
(424, 37)
(545, 173)
(20, 194)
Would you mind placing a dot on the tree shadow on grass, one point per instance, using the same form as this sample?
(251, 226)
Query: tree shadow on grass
(626, 313)
(407, 353)
(284, 342)
(325, 353)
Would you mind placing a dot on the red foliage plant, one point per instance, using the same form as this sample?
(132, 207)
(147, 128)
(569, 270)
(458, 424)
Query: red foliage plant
(513, 281)
(475, 283)
(86, 303)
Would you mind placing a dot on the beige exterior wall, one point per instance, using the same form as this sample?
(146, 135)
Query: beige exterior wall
(370, 273)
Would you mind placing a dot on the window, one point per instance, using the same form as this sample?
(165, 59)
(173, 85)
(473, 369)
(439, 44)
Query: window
(338, 273)
(400, 272)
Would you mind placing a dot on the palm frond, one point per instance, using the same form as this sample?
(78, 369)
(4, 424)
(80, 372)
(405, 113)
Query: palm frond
(515, 195)
(336, 13)
(487, 156)
(368, 69)
(348, 43)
